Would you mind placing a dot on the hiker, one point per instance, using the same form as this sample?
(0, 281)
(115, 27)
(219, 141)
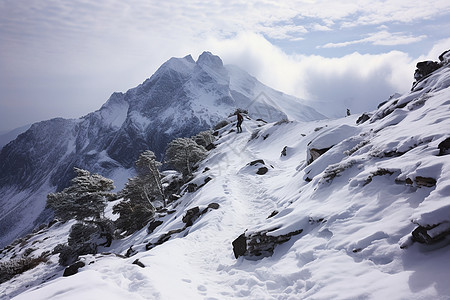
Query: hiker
(239, 122)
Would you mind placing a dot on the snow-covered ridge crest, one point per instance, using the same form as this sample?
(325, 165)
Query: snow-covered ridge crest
(182, 98)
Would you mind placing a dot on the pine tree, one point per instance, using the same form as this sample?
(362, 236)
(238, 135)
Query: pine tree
(85, 199)
(140, 194)
(183, 154)
(148, 169)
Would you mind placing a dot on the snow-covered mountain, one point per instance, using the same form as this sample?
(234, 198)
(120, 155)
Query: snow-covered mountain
(182, 98)
(8, 136)
(351, 208)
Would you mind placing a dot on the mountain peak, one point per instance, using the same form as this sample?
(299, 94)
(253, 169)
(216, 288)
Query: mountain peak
(189, 58)
(210, 60)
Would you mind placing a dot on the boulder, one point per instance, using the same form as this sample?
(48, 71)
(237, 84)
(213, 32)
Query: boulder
(444, 57)
(425, 181)
(363, 118)
(153, 225)
(213, 205)
(425, 68)
(258, 245)
(255, 162)
(73, 268)
(191, 187)
(239, 246)
(431, 234)
(444, 147)
(315, 153)
(189, 218)
(262, 171)
(191, 215)
(210, 146)
(138, 263)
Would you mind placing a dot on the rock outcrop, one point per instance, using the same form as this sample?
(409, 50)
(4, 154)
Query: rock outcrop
(261, 244)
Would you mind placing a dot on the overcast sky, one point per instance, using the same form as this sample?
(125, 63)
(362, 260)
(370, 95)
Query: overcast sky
(65, 58)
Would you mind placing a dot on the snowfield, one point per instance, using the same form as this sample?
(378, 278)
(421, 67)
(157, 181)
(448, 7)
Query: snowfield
(356, 206)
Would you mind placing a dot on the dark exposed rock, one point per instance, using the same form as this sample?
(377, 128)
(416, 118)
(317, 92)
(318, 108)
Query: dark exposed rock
(139, 263)
(214, 205)
(425, 181)
(423, 234)
(259, 245)
(189, 218)
(381, 104)
(315, 153)
(73, 268)
(262, 171)
(130, 252)
(283, 152)
(444, 146)
(363, 118)
(173, 197)
(240, 246)
(51, 223)
(191, 187)
(379, 172)
(152, 226)
(191, 215)
(443, 56)
(194, 213)
(206, 169)
(255, 162)
(210, 147)
(425, 68)
(273, 214)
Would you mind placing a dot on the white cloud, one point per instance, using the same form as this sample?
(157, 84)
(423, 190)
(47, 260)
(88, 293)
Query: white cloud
(381, 38)
(356, 81)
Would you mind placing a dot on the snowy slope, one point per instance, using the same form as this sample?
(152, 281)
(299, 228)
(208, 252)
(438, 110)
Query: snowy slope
(357, 205)
(182, 98)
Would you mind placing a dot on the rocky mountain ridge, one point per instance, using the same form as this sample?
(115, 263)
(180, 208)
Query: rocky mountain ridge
(182, 98)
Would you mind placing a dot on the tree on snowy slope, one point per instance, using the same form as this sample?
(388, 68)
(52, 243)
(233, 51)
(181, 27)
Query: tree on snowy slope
(183, 154)
(85, 199)
(140, 193)
(148, 168)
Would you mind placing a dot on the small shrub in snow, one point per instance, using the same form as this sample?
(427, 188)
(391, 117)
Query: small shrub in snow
(221, 124)
(84, 238)
(13, 267)
(204, 138)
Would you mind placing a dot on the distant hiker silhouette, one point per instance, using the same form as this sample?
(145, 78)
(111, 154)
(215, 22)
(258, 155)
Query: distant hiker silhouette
(240, 119)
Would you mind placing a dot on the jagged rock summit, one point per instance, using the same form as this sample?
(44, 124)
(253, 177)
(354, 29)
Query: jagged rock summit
(182, 98)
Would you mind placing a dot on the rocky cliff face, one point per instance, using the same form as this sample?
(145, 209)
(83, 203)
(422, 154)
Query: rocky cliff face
(182, 98)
